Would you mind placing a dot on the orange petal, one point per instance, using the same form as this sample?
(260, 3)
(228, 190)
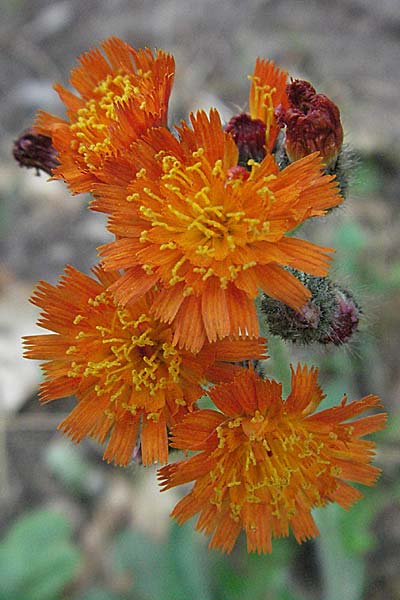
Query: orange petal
(122, 441)
(154, 441)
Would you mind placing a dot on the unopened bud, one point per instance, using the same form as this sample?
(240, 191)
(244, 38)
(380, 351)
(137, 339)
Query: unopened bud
(36, 151)
(249, 137)
(331, 316)
(345, 320)
(312, 123)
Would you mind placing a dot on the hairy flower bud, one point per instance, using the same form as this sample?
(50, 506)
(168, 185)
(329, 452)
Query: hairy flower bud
(345, 320)
(331, 316)
(312, 123)
(33, 150)
(249, 136)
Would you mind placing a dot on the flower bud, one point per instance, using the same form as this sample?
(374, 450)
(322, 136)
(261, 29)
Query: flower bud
(331, 316)
(345, 320)
(312, 123)
(33, 150)
(249, 137)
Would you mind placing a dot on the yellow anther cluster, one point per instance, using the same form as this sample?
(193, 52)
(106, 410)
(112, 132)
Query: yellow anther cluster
(174, 271)
(131, 354)
(102, 298)
(263, 97)
(112, 91)
(275, 470)
(93, 119)
(148, 269)
(191, 203)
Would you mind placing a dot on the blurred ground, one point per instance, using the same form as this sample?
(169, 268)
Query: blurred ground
(350, 50)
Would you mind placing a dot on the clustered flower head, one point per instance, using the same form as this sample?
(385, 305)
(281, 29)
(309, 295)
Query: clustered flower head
(264, 463)
(203, 218)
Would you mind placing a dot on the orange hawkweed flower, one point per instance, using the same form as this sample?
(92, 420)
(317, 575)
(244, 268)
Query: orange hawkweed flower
(125, 81)
(267, 92)
(210, 233)
(265, 463)
(121, 365)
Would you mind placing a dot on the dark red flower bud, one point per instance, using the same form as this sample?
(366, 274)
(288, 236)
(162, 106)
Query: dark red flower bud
(33, 150)
(312, 123)
(249, 136)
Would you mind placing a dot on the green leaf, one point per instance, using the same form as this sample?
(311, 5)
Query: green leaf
(189, 562)
(342, 571)
(258, 577)
(97, 594)
(37, 529)
(172, 571)
(37, 559)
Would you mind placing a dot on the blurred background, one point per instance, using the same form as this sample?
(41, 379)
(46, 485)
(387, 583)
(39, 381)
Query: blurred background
(73, 528)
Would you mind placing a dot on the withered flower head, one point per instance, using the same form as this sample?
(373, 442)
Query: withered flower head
(312, 123)
(249, 136)
(35, 151)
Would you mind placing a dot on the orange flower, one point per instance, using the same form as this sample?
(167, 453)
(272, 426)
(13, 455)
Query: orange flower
(130, 82)
(264, 464)
(121, 365)
(267, 92)
(213, 235)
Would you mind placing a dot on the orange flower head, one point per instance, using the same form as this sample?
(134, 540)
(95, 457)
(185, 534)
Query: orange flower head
(121, 365)
(210, 233)
(124, 81)
(267, 92)
(263, 463)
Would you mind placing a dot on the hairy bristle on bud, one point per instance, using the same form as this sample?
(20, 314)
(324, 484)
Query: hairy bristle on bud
(331, 316)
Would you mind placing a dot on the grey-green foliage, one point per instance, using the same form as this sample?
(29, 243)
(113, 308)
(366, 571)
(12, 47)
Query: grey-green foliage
(184, 568)
(171, 571)
(37, 557)
(99, 594)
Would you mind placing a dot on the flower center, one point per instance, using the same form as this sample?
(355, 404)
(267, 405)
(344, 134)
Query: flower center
(259, 462)
(199, 207)
(91, 126)
(127, 355)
